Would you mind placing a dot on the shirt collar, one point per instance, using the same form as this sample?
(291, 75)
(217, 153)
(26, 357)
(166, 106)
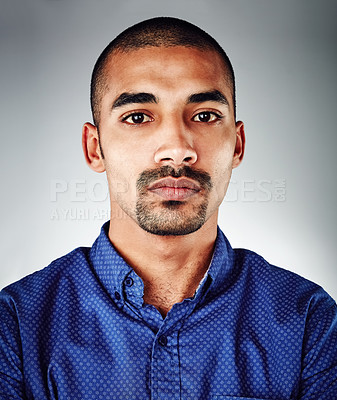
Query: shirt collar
(222, 267)
(112, 270)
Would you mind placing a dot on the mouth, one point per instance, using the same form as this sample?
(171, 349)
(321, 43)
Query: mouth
(176, 189)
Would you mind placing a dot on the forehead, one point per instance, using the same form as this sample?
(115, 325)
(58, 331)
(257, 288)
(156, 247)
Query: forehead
(165, 69)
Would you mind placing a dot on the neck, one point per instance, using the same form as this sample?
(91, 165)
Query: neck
(171, 267)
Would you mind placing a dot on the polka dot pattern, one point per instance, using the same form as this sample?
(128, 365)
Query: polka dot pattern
(79, 330)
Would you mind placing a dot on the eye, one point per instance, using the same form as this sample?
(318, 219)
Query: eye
(206, 116)
(137, 118)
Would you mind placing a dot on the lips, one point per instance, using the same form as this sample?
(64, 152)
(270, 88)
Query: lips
(174, 189)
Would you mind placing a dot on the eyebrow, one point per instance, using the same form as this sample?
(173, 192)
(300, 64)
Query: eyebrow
(213, 95)
(143, 97)
(133, 98)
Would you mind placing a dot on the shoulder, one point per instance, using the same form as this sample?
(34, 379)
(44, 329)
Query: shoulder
(38, 286)
(280, 285)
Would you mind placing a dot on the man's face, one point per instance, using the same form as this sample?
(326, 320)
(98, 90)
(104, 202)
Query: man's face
(169, 137)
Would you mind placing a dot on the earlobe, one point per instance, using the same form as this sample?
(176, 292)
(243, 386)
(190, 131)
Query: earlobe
(91, 148)
(240, 144)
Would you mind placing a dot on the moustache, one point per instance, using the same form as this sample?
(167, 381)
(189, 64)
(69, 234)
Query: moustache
(151, 175)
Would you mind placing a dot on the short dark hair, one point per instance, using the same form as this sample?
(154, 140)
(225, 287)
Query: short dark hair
(155, 32)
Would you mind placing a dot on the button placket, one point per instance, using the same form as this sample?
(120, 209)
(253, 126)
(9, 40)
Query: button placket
(165, 367)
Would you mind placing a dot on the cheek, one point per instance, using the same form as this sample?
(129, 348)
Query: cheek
(222, 176)
(123, 167)
(220, 168)
(119, 175)
(216, 156)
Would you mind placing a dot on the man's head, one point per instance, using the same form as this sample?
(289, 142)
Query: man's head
(163, 103)
(155, 32)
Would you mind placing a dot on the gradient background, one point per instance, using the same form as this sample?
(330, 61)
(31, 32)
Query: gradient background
(282, 200)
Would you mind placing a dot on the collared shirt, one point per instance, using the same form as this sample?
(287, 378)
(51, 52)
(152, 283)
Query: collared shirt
(79, 329)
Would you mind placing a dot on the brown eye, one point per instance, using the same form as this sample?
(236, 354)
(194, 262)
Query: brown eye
(206, 116)
(136, 118)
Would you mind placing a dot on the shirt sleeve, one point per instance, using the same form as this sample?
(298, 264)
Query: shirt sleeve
(319, 362)
(11, 376)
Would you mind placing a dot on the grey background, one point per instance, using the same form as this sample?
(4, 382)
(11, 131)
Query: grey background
(282, 200)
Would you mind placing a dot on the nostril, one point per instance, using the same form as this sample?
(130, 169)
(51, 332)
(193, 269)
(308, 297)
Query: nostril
(176, 153)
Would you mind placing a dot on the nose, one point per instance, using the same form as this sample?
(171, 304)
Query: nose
(175, 144)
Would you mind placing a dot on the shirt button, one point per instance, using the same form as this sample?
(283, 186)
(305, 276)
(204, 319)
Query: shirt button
(117, 296)
(162, 340)
(128, 281)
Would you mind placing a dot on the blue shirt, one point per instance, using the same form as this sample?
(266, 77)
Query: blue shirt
(79, 330)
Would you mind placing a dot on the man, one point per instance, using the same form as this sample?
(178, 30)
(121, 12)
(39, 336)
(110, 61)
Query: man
(161, 307)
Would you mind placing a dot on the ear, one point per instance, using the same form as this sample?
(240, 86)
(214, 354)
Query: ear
(240, 144)
(91, 148)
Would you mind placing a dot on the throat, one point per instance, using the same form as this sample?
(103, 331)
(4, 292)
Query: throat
(163, 295)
